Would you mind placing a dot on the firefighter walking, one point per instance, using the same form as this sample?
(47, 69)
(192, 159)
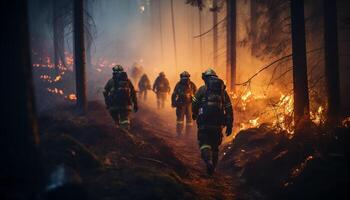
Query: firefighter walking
(161, 87)
(144, 85)
(120, 97)
(212, 109)
(181, 99)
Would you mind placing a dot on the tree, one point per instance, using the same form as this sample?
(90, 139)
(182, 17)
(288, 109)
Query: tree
(331, 60)
(58, 9)
(300, 81)
(231, 44)
(215, 34)
(174, 32)
(161, 31)
(253, 25)
(79, 55)
(20, 166)
(200, 38)
(89, 36)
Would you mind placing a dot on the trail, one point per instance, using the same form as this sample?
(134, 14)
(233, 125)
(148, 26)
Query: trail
(162, 124)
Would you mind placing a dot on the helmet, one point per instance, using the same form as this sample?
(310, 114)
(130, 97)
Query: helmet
(161, 74)
(117, 68)
(209, 72)
(185, 74)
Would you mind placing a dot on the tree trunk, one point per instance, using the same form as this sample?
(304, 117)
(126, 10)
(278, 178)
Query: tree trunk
(88, 37)
(200, 39)
(215, 35)
(161, 32)
(332, 61)
(79, 56)
(253, 26)
(21, 167)
(231, 45)
(300, 81)
(174, 32)
(58, 35)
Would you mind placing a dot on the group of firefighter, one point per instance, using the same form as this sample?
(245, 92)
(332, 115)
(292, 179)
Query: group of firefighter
(210, 106)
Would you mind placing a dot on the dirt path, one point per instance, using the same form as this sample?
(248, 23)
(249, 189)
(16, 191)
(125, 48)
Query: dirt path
(219, 186)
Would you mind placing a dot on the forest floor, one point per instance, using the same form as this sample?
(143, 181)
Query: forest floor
(150, 159)
(151, 162)
(221, 185)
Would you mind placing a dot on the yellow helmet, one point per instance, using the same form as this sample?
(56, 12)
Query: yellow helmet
(208, 72)
(117, 68)
(185, 74)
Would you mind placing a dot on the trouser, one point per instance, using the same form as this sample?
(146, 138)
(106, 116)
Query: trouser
(143, 94)
(161, 98)
(121, 118)
(209, 140)
(183, 111)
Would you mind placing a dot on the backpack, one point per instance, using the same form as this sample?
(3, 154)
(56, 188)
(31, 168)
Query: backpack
(212, 110)
(121, 91)
(163, 85)
(185, 93)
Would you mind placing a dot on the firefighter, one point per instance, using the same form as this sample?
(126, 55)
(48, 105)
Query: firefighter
(161, 87)
(181, 99)
(120, 97)
(136, 72)
(212, 108)
(144, 85)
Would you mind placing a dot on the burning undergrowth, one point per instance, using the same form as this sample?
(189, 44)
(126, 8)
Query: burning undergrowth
(270, 165)
(276, 110)
(55, 84)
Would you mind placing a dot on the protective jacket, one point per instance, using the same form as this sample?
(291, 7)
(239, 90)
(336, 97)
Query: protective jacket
(144, 83)
(161, 85)
(120, 102)
(183, 93)
(210, 108)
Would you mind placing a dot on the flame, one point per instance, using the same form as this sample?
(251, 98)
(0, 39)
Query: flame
(72, 97)
(55, 91)
(254, 122)
(245, 99)
(318, 116)
(279, 113)
(346, 122)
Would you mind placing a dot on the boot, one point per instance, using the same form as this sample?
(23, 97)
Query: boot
(189, 128)
(179, 127)
(207, 158)
(215, 155)
(125, 125)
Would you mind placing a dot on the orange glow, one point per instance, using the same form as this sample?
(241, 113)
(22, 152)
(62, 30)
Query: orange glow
(72, 97)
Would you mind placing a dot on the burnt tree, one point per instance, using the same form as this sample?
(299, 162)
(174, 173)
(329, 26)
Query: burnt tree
(300, 80)
(331, 61)
(231, 44)
(20, 172)
(79, 55)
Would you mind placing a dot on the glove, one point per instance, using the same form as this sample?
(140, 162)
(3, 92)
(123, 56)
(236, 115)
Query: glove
(228, 130)
(136, 108)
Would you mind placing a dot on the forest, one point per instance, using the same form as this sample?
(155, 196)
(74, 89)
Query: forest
(284, 65)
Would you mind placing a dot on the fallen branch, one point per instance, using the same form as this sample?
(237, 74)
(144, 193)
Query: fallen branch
(153, 160)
